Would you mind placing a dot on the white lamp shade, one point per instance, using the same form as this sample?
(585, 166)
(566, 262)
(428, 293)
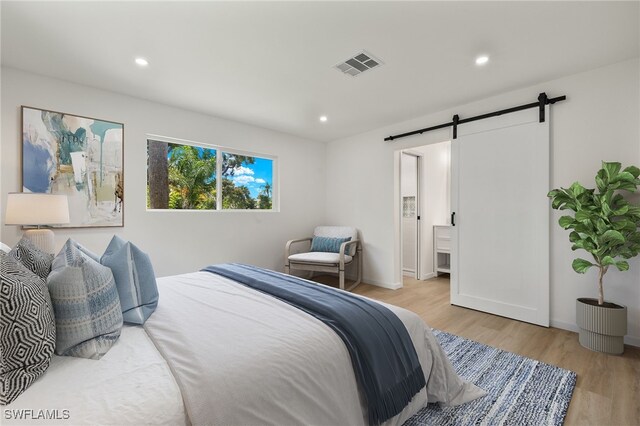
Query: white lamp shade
(28, 208)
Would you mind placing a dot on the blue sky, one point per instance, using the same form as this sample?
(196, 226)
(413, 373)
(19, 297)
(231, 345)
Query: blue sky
(255, 176)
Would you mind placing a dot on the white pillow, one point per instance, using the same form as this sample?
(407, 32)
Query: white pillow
(5, 248)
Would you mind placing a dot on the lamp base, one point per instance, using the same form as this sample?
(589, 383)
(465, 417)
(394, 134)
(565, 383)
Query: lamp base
(42, 239)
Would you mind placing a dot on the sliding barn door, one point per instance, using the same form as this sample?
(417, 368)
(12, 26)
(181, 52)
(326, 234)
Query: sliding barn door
(500, 179)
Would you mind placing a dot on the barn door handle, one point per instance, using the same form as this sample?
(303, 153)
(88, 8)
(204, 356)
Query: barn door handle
(453, 219)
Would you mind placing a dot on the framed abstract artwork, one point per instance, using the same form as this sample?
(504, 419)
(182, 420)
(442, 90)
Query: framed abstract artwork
(80, 157)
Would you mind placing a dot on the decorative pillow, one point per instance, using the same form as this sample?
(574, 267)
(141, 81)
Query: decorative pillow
(86, 251)
(329, 245)
(135, 279)
(32, 258)
(27, 328)
(85, 302)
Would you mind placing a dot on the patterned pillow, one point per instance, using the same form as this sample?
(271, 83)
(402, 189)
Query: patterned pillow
(32, 258)
(85, 302)
(135, 279)
(329, 245)
(86, 251)
(27, 328)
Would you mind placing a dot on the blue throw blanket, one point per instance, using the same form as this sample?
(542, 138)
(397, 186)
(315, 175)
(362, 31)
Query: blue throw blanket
(384, 359)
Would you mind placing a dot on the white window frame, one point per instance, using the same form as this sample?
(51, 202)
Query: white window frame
(275, 187)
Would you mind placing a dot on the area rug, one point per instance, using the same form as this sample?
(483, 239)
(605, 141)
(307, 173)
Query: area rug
(520, 391)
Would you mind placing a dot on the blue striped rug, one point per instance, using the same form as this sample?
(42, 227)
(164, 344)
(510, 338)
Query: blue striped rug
(520, 391)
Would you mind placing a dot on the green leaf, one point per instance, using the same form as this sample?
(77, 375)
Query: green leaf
(576, 189)
(606, 210)
(601, 226)
(583, 216)
(620, 225)
(566, 222)
(612, 237)
(569, 205)
(581, 266)
(621, 211)
(624, 176)
(607, 260)
(559, 197)
(585, 245)
(602, 180)
(582, 228)
(619, 203)
(626, 186)
(622, 265)
(633, 170)
(611, 169)
(574, 236)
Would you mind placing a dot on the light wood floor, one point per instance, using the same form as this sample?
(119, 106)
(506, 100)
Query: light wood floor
(608, 387)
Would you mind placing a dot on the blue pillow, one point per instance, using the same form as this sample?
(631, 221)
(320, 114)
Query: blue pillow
(328, 245)
(85, 303)
(135, 279)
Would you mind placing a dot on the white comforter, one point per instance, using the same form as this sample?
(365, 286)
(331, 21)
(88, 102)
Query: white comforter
(242, 357)
(130, 385)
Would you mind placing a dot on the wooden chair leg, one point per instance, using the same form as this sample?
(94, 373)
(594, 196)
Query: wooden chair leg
(341, 273)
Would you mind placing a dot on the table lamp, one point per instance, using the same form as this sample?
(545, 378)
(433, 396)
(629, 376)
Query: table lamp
(35, 209)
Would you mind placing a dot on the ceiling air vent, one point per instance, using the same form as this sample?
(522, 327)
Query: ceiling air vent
(360, 63)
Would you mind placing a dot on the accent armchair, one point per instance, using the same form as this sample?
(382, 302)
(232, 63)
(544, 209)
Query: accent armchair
(327, 253)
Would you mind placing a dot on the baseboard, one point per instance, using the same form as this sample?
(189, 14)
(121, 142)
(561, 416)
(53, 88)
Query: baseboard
(412, 274)
(629, 340)
(393, 286)
(632, 341)
(563, 325)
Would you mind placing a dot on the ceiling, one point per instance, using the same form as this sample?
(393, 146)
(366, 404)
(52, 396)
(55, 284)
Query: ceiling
(271, 64)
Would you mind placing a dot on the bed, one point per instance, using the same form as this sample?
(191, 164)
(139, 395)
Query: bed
(218, 350)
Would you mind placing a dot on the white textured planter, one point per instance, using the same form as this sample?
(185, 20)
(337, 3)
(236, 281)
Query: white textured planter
(602, 328)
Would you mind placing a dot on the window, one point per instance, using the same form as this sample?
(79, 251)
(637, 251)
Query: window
(246, 182)
(184, 177)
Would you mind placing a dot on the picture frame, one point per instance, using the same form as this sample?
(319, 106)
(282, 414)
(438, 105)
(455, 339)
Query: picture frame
(77, 156)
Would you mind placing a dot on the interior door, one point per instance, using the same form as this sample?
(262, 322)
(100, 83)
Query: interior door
(500, 178)
(410, 213)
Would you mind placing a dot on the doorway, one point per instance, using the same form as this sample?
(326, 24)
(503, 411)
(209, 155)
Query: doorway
(423, 206)
(497, 216)
(410, 193)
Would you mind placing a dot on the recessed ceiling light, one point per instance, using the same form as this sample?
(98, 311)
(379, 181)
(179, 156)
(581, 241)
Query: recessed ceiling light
(142, 62)
(482, 59)
(323, 118)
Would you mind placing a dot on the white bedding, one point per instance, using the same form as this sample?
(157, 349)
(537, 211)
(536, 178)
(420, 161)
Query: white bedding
(266, 362)
(130, 385)
(242, 357)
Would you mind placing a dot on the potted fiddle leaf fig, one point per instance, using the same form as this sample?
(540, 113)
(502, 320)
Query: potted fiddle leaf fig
(605, 225)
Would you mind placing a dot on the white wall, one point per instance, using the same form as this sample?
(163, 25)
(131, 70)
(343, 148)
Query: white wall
(599, 121)
(176, 241)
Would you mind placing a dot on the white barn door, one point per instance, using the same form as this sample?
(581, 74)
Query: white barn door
(500, 179)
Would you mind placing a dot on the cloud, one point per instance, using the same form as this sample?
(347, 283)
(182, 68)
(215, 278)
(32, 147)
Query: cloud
(243, 180)
(261, 181)
(241, 171)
